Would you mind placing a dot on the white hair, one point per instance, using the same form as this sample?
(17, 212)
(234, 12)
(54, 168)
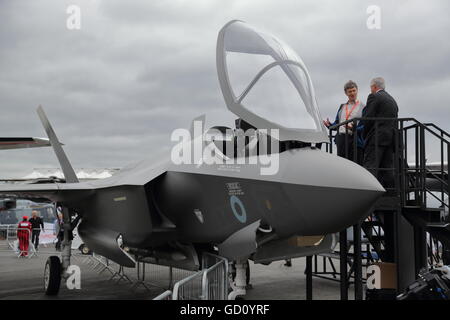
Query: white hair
(378, 82)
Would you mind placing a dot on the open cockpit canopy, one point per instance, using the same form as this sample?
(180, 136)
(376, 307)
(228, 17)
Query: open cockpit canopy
(265, 83)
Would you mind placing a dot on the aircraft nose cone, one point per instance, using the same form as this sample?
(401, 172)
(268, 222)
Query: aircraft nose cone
(353, 197)
(331, 193)
(353, 176)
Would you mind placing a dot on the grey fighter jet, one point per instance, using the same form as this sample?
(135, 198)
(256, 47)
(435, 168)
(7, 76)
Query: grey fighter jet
(230, 201)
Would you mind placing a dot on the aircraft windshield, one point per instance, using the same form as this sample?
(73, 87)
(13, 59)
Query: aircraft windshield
(265, 83)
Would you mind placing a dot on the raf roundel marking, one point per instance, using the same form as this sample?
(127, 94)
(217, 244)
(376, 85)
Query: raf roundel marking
(242, 215)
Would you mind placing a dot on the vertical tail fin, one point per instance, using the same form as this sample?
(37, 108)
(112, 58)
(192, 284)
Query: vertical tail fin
(66, 167)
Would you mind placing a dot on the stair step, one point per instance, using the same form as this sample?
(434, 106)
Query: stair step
(372, 224)
(375, 238)
(411, 203)
(434, 209)
(430, 215)
(442, 225)
(427, 209)
(387, 203)
(411, 207)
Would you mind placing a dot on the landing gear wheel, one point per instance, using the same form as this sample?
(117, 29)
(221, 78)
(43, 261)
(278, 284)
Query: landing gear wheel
(52, 276)
(84, 249)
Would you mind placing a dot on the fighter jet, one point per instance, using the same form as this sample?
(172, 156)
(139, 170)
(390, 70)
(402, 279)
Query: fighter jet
(230, 201)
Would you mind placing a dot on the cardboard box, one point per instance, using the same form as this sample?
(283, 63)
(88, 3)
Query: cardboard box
(305, 241)
(388, 275)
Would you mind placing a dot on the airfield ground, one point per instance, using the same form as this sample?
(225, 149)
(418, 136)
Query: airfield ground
(23, 279)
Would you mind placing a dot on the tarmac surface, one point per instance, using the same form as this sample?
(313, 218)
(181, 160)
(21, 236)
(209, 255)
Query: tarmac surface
(22, 278)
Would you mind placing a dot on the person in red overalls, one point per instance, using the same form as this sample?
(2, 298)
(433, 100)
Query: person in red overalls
(23, 234)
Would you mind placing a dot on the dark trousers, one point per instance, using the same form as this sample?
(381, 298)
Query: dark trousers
(35, 237)
(345, 148)
(60, 238)
(380, 157)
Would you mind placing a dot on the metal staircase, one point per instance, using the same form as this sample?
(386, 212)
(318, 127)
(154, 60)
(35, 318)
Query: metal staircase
(410, 226)
(374, 232)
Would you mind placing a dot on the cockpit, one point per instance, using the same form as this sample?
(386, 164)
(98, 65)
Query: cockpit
(266, 84)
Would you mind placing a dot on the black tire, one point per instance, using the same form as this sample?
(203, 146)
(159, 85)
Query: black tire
(52, 276)
(84, 249)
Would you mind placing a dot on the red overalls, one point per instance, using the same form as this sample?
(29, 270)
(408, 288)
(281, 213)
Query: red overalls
(23, 234)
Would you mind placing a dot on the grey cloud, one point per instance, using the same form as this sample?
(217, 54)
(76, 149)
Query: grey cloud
(115, 89)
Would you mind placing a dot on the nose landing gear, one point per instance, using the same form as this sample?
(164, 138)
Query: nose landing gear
(55, 268)
(241, 280)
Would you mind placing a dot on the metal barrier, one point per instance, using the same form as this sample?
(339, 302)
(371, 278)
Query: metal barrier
(8, 234)
(158, 276)
(147, 275)
(102, 264)
(141, 272)
(210, 283)
(215, 278)
(190, 288)
(99, 264)
(120, 274)
(5, 236)
(13, 236)
(167, 295)
(177, 274)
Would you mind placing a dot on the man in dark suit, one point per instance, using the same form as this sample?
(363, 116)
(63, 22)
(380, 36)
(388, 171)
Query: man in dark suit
(36, 224)
(379, 136)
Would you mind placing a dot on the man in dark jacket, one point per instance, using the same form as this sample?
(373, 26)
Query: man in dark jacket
(58, 230)
(379, 135)
(36, 224)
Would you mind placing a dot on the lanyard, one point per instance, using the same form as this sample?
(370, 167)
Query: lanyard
(348, 114)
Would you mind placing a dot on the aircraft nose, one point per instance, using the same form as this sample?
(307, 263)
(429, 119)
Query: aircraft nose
(354, 196)
(353, 176)
(331, 192)
(314, 167)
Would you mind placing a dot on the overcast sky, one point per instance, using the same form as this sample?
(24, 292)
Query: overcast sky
(115, 89)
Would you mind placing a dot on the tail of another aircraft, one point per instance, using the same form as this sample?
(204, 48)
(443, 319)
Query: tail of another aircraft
(66, 167)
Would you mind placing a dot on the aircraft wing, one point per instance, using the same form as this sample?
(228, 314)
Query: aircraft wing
(20, 143)
(51, 191)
